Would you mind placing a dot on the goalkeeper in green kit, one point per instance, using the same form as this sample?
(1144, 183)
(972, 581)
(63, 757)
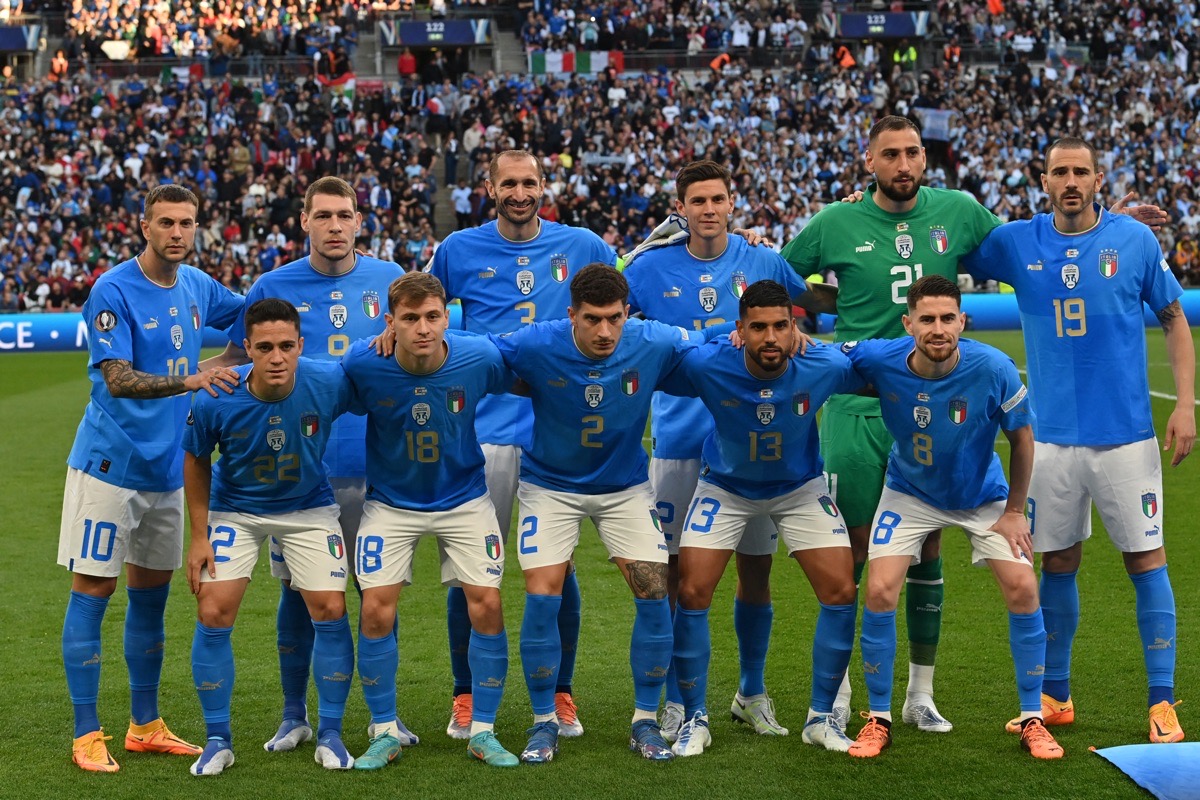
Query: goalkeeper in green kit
(899, 232)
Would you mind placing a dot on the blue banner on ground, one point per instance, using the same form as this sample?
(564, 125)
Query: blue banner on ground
(43, 333)
(1167, 771)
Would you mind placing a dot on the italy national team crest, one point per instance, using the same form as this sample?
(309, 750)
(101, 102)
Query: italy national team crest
(593, 394)
(524, 281)
(558, 267)
(491, 543)
(1150, 504)
(708, 299)
(828, 505)
(800, 403)
(276, 439)
(456, 400)
(336, 548)
(196, 314)
(309, 425)
(739, 284)
(939, 241)
(629, 381)
(177, 336)
(337, 315)
(904, 245)
(765, 412)
(370, 302)
(922, 416)
(1108, 263)
(958, 410)
(1070, 276)
(420, 413)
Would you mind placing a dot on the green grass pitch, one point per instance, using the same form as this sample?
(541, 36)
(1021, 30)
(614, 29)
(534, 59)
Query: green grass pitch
(41, 400)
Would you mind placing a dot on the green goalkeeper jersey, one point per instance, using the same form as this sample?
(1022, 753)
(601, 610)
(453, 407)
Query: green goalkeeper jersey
(877, 256)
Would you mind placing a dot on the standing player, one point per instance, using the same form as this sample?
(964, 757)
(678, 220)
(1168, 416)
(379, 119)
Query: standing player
(510, 273)
(762, 461)
(878, 248)
(695, 284)
(123, 502)
(591, 378)
(426, 473)
(1081, 276)
(340, 296)
(269, 483)
(944, 400)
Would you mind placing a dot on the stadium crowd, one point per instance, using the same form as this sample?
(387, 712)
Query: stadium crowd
(82, 150)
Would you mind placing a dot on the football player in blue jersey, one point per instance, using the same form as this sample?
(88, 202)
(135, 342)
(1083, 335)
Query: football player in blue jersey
(761, 462)
(425, 470)
(591, 378)
(944, 400)
(696, 283)
(1081, 276)
(507, 274)
(123, 502)
(340, 296)
(270, 483)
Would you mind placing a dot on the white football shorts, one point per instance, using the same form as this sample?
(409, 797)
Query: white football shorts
(469, 544)
(310, 540)
(902, 523)
(105, 526)
(626, 521)
(1124, 481)
(675, 483)
(806, 518)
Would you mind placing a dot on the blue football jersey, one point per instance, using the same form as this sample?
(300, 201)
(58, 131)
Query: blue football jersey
(1080, 297)
(422, 453)
(589, 415)
(765, 441)
(945, 429)
(671, 285)
(271, 452)
(334, 312)
(129, 442)
(504, 285)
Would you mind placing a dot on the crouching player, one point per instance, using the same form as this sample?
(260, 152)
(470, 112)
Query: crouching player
(426, 478)
(269, 482)
(944, 401)
(763, 460)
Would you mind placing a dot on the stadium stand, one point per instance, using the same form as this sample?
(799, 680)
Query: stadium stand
(786, 105)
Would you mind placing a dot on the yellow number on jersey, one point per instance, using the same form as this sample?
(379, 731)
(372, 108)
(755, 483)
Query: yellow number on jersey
(423, 447)
(923, 448)
(1070, 317)
(766, 446)
(593, 425)
(530, 312)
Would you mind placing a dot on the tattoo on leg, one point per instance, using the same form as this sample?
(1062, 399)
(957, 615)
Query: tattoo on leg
(648, 579)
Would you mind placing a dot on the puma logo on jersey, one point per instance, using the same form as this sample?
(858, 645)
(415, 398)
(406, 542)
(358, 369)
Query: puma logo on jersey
(865, 247)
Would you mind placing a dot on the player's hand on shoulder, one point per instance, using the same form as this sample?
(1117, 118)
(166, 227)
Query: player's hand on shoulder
(1014, 527)
(1181, 433)
(385, 343)
(223, 378)
(803, 341)
(754, 238)
(854, 197)
(1147, 214)
(200, 557)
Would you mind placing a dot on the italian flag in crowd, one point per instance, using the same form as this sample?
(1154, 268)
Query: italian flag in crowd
(541, 62)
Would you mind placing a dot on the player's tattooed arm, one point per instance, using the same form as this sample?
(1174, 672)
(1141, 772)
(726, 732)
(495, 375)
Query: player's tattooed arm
(1168, 314)
(125, 381)
(1181, 353)
(648, 579)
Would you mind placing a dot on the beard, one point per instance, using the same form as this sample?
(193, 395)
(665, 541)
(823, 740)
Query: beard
(896, 195)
